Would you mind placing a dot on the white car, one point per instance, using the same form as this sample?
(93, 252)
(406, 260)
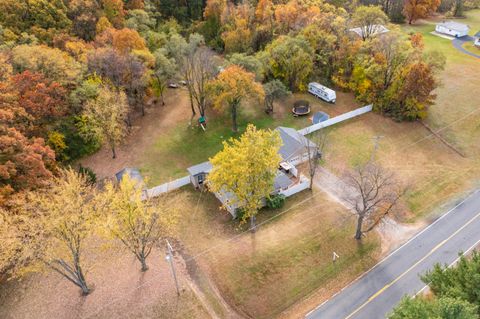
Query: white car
(173, 85)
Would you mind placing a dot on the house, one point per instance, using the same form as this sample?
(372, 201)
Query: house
(452, 28)
(295, 149)
(369, 30)
(476, 42)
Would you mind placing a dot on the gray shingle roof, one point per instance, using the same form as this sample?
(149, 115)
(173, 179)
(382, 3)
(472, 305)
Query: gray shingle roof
(292, 142)
(204, 167)
(281, 181)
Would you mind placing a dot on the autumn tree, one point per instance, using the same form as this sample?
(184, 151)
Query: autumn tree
(84, 17)
(289, 59)
(50, 228)
(114, 12)
(164, 70)
(368, 18)
(246, 168)
(231, 87)
(52, 63)
(108, 113)
(418, 9)
(136, 220)
(373, 193)
(249, 62)
(274, 90)
(314, 146)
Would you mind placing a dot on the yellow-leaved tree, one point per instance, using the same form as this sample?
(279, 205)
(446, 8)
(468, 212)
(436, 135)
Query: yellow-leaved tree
(246, 168)
(138, 221)
(49, 229)
(231, 87)
(108, 114)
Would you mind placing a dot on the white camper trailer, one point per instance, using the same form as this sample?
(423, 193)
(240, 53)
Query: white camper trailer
(322, 92)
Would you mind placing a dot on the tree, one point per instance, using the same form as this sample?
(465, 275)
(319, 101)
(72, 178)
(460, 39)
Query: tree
(368, 18)
(108, 114)
(114, 12)
(460, 281)
(231, 87)
(126, 40)
(442, 308)
(274, 89)
(290, 60)
(50, 228)
(84, 17)
(138, 222)
(246, 168)
(418, 9)
(164, 70)
(374, 194)
(249, 62)
(314, 145)
(52, 63)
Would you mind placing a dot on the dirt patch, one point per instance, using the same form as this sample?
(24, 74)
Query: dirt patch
(145, 131)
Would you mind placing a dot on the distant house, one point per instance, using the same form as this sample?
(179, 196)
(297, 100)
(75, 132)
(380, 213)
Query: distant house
(477, 39)
(452, 28)
(369, 30)
(288, 181)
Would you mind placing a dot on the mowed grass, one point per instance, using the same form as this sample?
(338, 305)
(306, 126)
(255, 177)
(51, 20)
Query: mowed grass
(175, 150)
(288, 258)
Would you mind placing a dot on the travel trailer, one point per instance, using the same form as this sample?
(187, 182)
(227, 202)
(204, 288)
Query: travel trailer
(322, 92)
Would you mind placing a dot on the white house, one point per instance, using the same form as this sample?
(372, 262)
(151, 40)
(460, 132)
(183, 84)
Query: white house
(452, 28)
(322, 92)
(295, 149)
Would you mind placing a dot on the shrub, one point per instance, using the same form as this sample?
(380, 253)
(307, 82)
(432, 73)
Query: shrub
(276, 201)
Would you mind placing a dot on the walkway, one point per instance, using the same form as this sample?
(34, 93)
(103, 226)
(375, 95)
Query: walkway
(459, 42)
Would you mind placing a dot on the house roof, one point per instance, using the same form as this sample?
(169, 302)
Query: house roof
(292, 142)
(204, 167)
(452, 25)
(134, 174)
(373, 28)
(281, 181)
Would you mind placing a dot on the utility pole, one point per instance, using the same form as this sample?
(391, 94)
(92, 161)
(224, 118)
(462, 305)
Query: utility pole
(376, 141)
(169, 258)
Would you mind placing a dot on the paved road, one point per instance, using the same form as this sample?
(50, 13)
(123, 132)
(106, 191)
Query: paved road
(458, 44)
(376, 292)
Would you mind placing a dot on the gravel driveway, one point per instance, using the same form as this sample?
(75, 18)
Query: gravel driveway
(458, 44)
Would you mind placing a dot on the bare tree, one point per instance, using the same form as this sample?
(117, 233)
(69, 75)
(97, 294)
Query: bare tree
(314, 146)
(375, 193)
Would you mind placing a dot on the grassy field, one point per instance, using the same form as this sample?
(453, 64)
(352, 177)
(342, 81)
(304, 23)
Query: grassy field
(288, 258)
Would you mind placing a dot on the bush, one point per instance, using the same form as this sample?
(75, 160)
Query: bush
(77, 145)
(276, 201)
(88, 173)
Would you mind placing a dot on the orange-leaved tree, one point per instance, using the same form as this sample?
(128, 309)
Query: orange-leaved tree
(417, 9)
(231, 87)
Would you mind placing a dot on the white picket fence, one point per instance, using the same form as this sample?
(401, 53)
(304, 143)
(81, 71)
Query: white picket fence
(336, 119)
(167, 187)
(303, 184)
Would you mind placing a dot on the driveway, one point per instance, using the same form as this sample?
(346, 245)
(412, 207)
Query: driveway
(459, 42)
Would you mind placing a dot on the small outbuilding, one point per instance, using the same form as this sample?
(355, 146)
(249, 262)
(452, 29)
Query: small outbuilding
(452, 28)
(133, 173)
(199, 172)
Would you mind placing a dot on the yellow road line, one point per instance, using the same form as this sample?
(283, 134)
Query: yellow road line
(375, 295)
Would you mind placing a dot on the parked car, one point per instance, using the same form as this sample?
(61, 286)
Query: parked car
(183, 82)
(173, 85)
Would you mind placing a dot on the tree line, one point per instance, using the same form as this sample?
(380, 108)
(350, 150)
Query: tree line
(75, 73)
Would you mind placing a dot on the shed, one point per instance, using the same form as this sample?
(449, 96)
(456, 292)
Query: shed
(455, 29)
(133, 173)
(198, 173)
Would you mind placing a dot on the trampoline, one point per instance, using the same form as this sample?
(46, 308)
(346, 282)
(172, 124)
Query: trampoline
(320, 117)
(300, 108)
